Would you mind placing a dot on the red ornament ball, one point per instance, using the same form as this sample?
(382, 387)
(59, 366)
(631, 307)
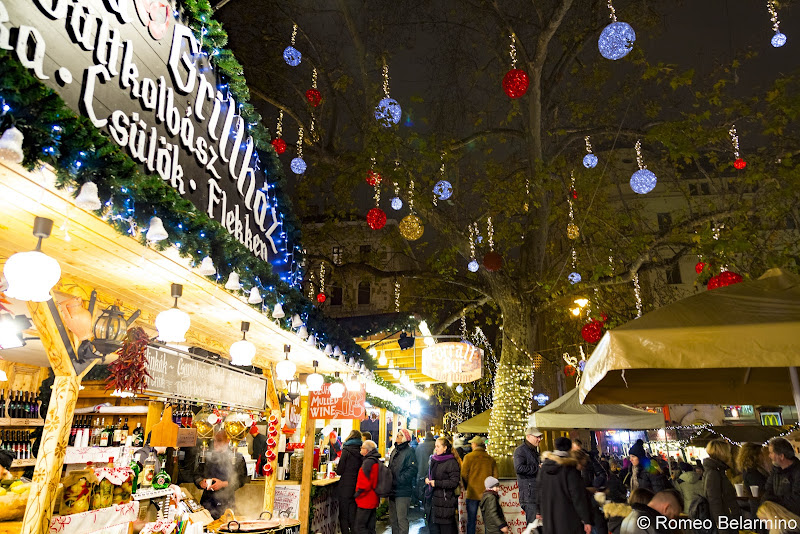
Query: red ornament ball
(698, 268)
(515, 83)
(376, 218)
(592, 331)
(740, 163)
(570, 370)
(373, 178)
(314, 97)
(321, 298)
(725, 278)
(279, 145)
(492, 261)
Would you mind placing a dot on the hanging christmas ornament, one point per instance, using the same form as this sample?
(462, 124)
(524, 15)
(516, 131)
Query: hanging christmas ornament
(87, 199)
(516, 81)
(492, 261)
(291, 55)
(725, 278)
(642, 181)
(592, 331)
(11, 145)
(698, 268)
(778, 39)
(298, 165)
(373, 178)
(397, 203)
(443, 189)
(738, 162)
(473, 265)
(574, 278)
(411, 226)
(569, 370)
(207, 267)
(616, 39)
(278, 143)
(376, 218)
(589, 160)
(313, 95)
(156, 230)
(321, 298)
(573, 232)
(388, 111)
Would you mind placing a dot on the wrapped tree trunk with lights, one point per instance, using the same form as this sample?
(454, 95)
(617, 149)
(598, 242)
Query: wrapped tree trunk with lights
(535, 131)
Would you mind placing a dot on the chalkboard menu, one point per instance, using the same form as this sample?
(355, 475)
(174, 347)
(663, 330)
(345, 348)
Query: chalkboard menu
(178, 374)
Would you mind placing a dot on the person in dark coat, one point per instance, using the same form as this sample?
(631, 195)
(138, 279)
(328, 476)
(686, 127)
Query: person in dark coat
(494, 521)
(444, 475)
(750, 461)
(638, 450)
(783, 485)
(423, 452)
(526, 465)
(347, 468)
(403, 465)
(366, 498)
(598, 522)
(563, 506)
(717, 488)
(220, 477)
(652, 477)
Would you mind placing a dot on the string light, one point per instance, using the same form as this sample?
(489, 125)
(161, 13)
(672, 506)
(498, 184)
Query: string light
(279, 126)
(397, 295)
(322, 277)
(388, 111)
(490, 232)
(443, 189)
(637, 292)
(473, 265)
(512, 50)
(513, 388)
(573, 232)
(589, 160)
(779, 39)
(642, 181)
(291, 55)
(738, 162)
(612, 15)
(298, 165)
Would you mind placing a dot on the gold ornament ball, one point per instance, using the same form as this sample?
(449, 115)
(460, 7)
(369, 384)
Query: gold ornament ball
(573, 231)
(411, 227)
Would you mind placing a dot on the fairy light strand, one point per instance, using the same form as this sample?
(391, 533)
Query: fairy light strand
(279, 126)
(734, 141)
(294, 33)
(385, 79)
(613, 14)
(637, 292)
(773, 15)
(300, 142)
(314, 78)
(322, 277)
(639, 157)
(588, 144)
(411, 196)
(512, 50)
(473, 231)
(397, 295)
(490, 233)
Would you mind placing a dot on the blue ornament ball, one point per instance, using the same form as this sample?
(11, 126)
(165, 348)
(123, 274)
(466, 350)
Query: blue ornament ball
(397, 204)
(292, 56)
(581, 365)
(778, 40)
(574, 278)
(589, 161)
(298, 166)
(388, 112)
(459, 388)
(443, 189)
(643, 181)
(473, 266)
(616, 40)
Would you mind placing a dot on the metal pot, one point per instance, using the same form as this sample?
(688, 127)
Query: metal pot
(257, 526)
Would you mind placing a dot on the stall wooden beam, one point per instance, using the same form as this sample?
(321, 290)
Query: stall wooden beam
(58, 422)
(271, 480)
(382, 433)
(308, 466)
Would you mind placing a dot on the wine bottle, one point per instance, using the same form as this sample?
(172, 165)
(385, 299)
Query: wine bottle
(2, 402)
(104, 434)
(123, 433)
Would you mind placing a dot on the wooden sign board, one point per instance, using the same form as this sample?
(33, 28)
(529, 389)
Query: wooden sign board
(349, 406)
(137, 71)
(456, 362)
(174, 373)
(165, 432)
(187, 437)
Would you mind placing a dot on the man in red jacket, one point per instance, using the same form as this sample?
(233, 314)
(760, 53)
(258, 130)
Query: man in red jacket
(366, 498)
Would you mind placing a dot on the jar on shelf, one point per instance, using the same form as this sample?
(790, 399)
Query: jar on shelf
(296, 465)
(78, 488)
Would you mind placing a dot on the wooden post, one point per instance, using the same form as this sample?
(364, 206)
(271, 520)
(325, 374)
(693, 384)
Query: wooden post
(382, 433)
(308, 466)
(53, 444)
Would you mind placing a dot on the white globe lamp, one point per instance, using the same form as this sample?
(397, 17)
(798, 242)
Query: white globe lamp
(243, 351)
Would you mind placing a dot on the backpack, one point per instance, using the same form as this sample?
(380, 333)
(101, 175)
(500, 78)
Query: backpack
(700, 509)
(384, 486)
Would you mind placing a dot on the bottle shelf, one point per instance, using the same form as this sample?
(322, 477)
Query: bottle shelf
(8, 421)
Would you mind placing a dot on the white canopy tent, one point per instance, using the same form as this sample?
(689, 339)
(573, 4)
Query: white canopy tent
(566, 412)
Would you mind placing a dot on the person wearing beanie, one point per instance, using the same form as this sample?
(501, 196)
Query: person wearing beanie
(423, 453)
(494, 522)
(403, 465)
(526, 465)
(563, 507)
(476, 466)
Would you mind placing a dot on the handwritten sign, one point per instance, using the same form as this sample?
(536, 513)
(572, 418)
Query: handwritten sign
(287, 501)
(349, 406)
(452, 362)
(326, 513)
(509, 502)
(178, 374)
(141, 77)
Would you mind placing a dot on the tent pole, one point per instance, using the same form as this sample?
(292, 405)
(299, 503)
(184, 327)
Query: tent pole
(795, 388)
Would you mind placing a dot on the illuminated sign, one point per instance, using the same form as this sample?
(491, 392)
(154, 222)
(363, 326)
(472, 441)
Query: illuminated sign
(541, 399)
(771, 419)
(454, 362)
(349, 406)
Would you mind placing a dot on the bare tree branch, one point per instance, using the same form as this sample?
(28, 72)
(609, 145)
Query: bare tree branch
(455, 316)
(458, 145)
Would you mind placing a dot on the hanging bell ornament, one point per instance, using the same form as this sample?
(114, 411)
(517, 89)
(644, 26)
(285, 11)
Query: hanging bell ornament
(11, 145)
(207, 267)
(156, 231)
(255, 296)
(87, 199)
(233, 283)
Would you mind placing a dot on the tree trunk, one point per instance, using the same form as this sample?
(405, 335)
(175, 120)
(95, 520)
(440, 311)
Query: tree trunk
(513, 384)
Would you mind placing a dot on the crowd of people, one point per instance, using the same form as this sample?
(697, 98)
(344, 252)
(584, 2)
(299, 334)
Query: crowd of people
(567, 490)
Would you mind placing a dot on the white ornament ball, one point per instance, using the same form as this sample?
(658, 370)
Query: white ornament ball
(473, 266)
(643, 181)
(397, 204)
(616, 40)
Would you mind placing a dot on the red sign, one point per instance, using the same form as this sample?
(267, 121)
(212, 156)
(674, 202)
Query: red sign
(349, 406)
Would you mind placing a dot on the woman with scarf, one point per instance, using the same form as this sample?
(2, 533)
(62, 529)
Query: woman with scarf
(366, 498)
(347, 468)
(444, 476)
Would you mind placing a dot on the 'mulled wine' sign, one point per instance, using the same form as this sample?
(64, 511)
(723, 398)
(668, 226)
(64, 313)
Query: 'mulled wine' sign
(142, 78)
(452, 362)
